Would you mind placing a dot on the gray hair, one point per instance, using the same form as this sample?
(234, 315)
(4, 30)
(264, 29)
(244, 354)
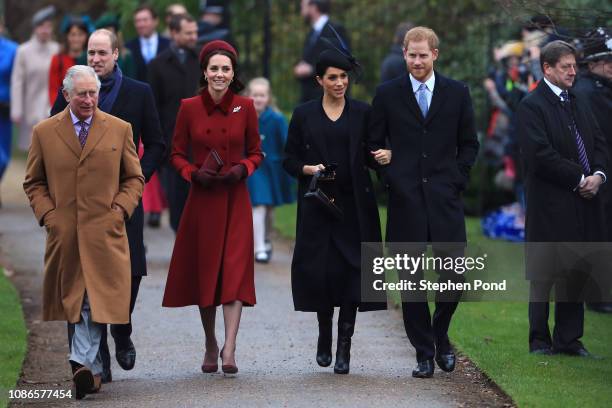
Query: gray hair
(78, 71)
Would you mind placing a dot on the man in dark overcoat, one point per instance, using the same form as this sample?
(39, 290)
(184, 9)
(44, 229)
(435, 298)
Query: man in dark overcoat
(131, 101)
(427, 121)
(564, 157)
(174, 75)
(595, 86)
(149, 43)
(316, 14)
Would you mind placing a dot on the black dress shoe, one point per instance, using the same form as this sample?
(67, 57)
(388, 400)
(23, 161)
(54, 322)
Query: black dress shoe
(125, 352)
(424, 369)
(446, 361)
(600, 307)
(546, 351)
(107, 377)
(154, 220)
(579, 352)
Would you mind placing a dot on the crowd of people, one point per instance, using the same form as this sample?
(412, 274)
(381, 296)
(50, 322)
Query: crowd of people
(169, 120)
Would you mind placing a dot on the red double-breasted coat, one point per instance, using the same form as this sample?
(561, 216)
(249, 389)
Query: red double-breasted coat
(212, 262)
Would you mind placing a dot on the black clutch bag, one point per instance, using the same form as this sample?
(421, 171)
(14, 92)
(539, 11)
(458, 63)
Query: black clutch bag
(325, 199)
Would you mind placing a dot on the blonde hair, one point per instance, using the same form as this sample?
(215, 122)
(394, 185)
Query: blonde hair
(265, 82)
(420, 33)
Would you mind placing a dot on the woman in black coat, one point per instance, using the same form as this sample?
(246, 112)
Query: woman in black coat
(325, 271)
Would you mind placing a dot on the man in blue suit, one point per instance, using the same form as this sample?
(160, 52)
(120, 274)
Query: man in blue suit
(149, 43)
(427, 122)
(133, 102)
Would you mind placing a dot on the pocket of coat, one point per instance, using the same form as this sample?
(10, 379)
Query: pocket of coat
(49, 218)
(118, 223)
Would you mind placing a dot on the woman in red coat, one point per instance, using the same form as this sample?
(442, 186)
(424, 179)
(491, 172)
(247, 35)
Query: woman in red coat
(212, 262)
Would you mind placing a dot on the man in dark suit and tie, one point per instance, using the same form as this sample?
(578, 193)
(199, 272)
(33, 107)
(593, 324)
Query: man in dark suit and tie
(149, 43)
(174, 75)
(427, 122)
(316, 14)
(133, 102)
(564, 156)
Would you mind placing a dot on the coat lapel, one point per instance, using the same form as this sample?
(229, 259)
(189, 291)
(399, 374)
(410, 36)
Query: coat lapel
(96, 132)
(65, 131)
(438, 97)
(407, 95)
(316, 131)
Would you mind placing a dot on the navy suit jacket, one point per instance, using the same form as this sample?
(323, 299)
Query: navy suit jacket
(431, 158)
(141, 67)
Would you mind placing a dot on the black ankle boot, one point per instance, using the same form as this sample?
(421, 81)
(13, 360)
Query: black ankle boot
(324, 356)
(343, 350)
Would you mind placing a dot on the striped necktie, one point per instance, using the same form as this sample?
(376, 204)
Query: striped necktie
(83, 133)
(582, 155)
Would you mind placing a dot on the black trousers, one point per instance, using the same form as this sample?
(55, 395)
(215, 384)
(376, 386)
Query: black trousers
(177, 190)
(120, 332)
(569, 314)
(425, 332)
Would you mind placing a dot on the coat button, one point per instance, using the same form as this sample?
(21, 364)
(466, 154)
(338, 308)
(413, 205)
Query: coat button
(367, 189)
(208, 131)
(307, 146)
(424, 155)
(424, 179)
(223, 130)
(365, 168)
(424, 131)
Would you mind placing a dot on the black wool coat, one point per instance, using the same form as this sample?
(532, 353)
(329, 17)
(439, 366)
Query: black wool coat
(135, 105)
(597, 91)
(306, 146)
(555, 210)
(431, 158)
(171, 82)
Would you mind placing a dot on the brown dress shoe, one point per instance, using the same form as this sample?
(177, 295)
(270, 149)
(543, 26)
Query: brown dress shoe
(97, 384)
(83, 382)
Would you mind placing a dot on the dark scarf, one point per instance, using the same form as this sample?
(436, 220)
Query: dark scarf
(110, 89)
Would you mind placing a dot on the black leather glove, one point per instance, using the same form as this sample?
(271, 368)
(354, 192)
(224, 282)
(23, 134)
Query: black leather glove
(204, 177)
(235, 174)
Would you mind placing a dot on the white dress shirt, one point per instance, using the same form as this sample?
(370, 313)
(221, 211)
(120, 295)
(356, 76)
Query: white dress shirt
(148, 46)
(76, 122)
(429, 84)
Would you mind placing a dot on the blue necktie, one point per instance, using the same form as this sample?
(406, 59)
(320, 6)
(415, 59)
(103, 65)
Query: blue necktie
(422, 99)
(582, 156)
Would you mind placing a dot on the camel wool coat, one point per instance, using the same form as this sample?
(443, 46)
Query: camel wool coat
(71, 191)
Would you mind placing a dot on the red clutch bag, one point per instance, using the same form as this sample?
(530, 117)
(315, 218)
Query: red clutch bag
(213, 162)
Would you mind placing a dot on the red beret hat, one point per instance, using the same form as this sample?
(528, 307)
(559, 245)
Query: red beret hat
(217, 45)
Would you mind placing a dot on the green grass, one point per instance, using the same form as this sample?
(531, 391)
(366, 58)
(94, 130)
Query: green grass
(494, 335)
(13, 338)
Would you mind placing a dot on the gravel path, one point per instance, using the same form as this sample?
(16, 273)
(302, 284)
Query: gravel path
(276, 345)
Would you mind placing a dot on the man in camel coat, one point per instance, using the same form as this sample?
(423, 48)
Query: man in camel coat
(83, 179)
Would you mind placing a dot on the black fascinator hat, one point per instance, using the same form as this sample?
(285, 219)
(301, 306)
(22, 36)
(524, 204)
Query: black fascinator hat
(337, 55)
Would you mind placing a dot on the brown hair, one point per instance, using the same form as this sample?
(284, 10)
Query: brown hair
(552, 52)
(420, 33)
(111, 36)
(236, 85)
